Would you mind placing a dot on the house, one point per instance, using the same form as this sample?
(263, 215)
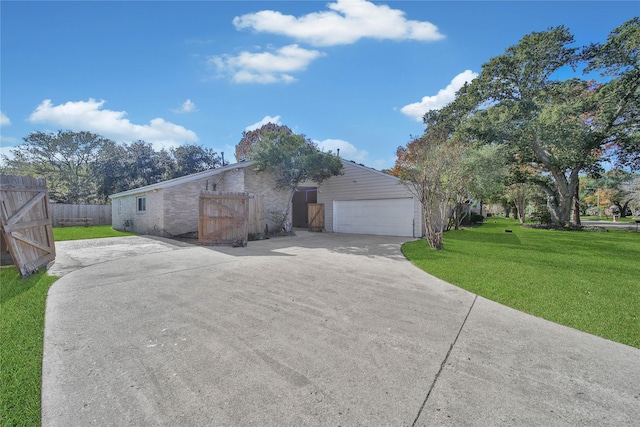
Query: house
(172, 207)
(367, 201)
(361, 201)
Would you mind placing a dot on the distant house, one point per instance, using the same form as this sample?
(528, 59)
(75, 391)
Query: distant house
(361, 201)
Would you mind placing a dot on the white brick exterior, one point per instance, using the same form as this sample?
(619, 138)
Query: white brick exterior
(172, 207)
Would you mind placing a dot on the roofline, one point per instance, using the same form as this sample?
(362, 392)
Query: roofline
(216, 171)
(181, 180)
(361, 166)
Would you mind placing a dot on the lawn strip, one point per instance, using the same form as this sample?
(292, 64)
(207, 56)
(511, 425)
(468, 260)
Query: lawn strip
(585, 280)
(22, 308)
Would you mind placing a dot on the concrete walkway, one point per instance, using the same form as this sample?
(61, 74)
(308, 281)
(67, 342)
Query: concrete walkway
(317, 329)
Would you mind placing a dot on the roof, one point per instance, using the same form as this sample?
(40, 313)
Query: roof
(182, 179)
(217, 171)
(367, 168)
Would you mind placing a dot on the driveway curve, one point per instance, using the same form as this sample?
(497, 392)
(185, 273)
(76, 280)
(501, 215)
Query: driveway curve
(316, 329)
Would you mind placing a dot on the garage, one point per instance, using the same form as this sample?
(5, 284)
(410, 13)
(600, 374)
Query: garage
(386, 217)
(363, 200)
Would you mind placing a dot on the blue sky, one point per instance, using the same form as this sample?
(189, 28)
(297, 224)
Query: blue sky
(348, 74)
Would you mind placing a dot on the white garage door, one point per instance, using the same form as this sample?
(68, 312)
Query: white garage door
(386, 217)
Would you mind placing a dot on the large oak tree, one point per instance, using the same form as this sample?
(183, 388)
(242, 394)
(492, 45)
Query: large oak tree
(558, 128)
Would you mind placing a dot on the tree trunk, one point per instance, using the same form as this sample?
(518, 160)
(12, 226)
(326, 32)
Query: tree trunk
(434, 238)
(623, 208)
(433, 230)
(522, 202)
(289, 207)
(560, 198)
(576, 206)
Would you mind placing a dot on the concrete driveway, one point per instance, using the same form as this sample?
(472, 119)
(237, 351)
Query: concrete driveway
(317, 329)
(626, 226)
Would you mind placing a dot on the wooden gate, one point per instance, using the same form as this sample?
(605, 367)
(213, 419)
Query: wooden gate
(316, 216)
(223, 218)
(256, 214)
(26, 222)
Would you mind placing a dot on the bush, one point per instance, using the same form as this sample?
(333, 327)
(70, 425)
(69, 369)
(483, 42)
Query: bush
(255, 236)
(542, 216)
(476, 218)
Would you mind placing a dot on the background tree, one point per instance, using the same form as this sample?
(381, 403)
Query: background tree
(432, 169)
(193, 158)
(520, 194)
(293, 159)
(252, 137)
(614, 188)
(487, 168)
(145, 166)
(65, 159)
(82, 167)
(615, 182)
(618, 61)
(111, 171)
(632, 189)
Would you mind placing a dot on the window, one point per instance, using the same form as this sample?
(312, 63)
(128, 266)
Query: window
(141, 204)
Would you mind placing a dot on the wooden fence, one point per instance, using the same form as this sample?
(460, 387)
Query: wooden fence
(26, 223)
(99, 214)
(229, 218)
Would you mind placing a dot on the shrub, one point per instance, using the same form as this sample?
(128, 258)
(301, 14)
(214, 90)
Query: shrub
(476, 218)
(541, 216)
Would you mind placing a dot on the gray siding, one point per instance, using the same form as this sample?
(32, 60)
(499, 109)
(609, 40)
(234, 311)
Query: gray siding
(363, 183)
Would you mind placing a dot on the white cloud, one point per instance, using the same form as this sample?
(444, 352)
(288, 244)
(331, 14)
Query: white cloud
(265, 67)
(267, 119)
(4, 120)
(89, 116)
(444, 96)
(187, 107)
(347, 22)
(347, 150)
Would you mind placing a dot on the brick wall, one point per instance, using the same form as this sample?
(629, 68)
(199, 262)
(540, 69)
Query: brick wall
(264, 183)
(174, 210)
(125, 209)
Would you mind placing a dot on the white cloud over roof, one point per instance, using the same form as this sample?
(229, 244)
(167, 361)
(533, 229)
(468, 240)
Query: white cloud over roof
(347, 150)
(346, 22)
(444, 96)
(265, 67)
(90, 116)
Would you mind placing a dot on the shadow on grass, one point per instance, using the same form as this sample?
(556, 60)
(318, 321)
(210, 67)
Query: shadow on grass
(12, 284)
(504, 238)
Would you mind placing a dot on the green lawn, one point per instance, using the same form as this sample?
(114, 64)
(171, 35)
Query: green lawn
(22, 308)
(585, 280)
(22, 304)
(92, 232)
